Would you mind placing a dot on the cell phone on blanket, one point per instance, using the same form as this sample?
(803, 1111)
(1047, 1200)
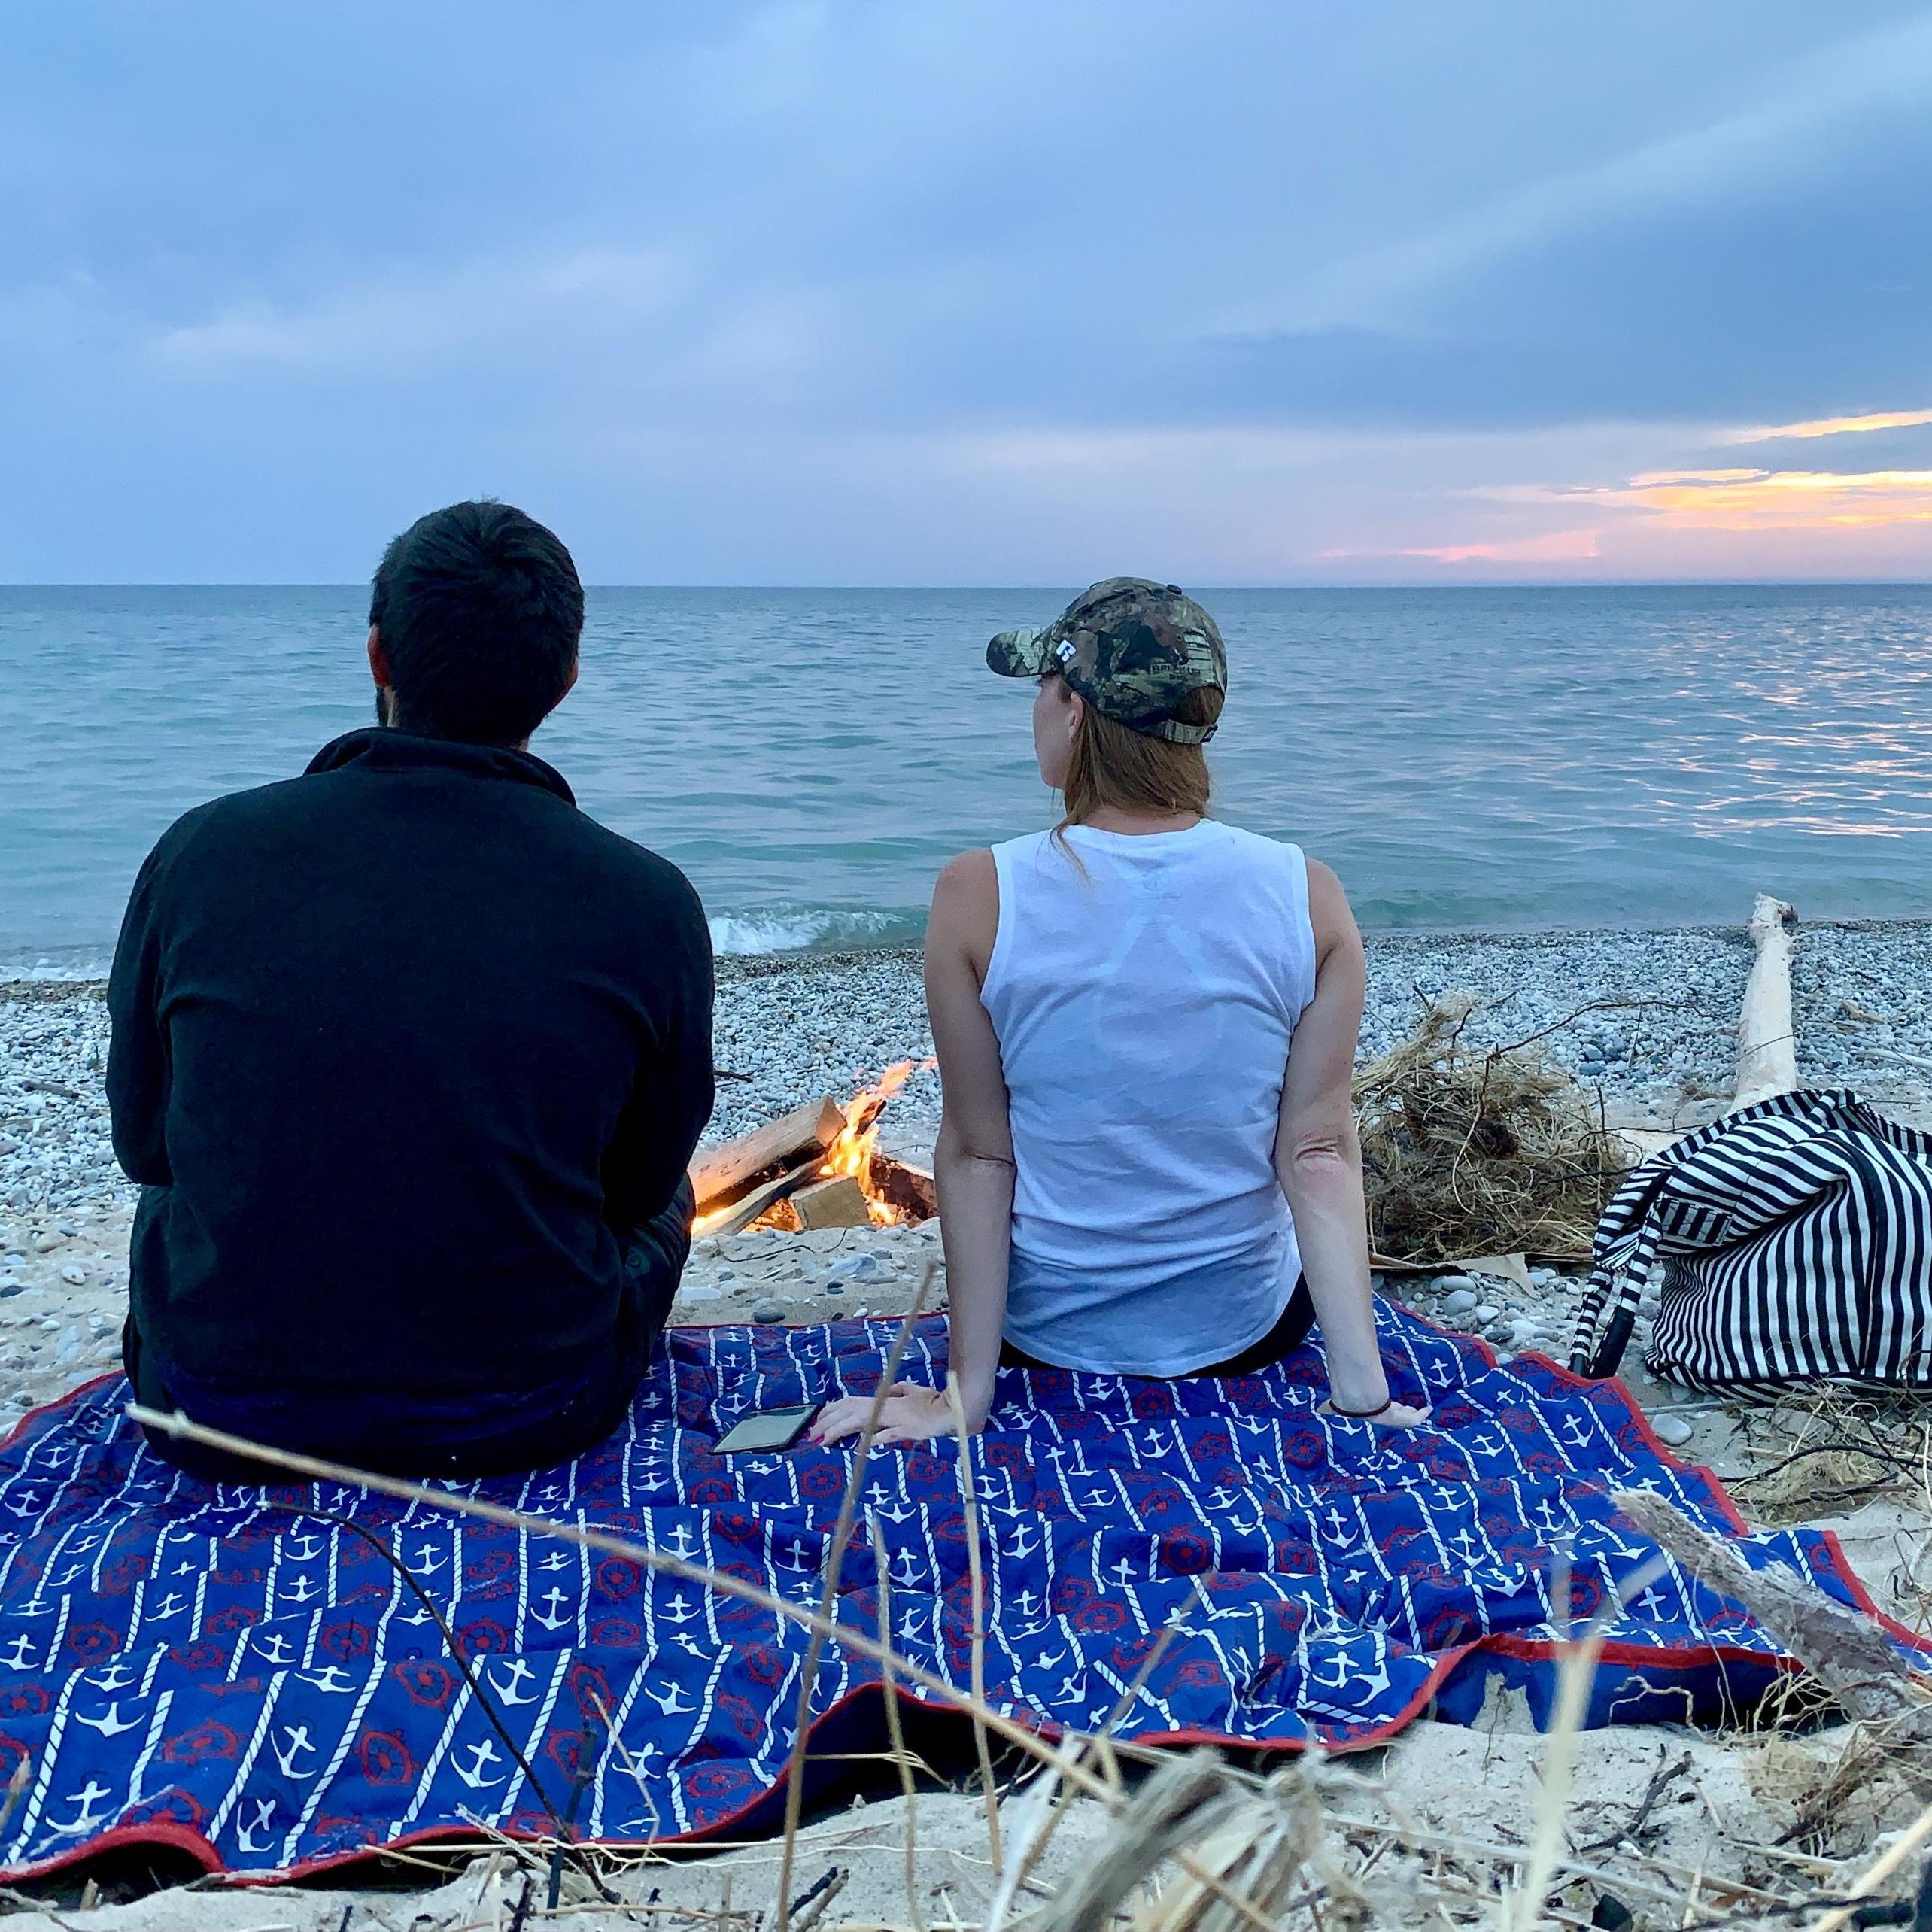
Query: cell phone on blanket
(767, 1429)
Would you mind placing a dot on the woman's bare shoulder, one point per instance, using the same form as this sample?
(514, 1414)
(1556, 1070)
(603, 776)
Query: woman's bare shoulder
(966, 904)
(1329, 912)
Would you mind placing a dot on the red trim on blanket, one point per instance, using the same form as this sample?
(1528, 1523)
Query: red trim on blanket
(183, 1838)
(12, 1435)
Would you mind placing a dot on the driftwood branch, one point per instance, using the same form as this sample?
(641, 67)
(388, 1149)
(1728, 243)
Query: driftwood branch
(1767, 1054)
(1847, 1653)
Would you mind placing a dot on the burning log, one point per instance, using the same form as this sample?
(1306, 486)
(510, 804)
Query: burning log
(821, 1150)
(901, 1186)
(839, 1202)
(802, 1138)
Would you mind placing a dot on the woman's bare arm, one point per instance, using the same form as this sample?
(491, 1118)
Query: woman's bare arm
(1318, 1156)
(972, 1167)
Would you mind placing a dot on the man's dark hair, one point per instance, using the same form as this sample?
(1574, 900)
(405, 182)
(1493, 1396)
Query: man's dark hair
(479, 610)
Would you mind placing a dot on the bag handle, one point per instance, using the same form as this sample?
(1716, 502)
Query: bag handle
(1623, 1264)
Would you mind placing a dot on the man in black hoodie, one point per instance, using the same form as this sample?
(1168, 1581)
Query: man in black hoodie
(409, 1059)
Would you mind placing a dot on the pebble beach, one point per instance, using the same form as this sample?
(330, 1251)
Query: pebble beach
(1648, 1018)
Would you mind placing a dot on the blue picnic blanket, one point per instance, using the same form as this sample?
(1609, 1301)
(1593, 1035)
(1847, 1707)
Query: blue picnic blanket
(242, 1674)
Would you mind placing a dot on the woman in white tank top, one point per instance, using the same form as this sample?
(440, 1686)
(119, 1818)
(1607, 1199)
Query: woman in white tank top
(1146, 1022)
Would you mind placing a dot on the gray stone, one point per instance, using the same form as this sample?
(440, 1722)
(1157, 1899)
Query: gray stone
(1462, 1302)
(1488, 1311)
(1454, 1284)
(768, 1311)
(73, 1275)
(1672, 1429)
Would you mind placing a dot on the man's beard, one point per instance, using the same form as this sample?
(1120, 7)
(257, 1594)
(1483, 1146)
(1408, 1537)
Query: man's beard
(384, 706)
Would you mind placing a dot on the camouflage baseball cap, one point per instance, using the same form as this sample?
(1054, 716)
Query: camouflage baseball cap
(1132, 649)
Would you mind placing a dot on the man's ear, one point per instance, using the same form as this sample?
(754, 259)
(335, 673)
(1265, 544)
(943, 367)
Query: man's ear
(378, 661)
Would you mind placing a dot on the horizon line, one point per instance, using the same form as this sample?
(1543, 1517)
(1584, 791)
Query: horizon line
(1287, 584)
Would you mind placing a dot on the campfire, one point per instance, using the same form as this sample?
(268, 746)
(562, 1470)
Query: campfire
(820, 1166)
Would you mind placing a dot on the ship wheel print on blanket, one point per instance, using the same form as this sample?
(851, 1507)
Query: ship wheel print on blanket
(258, 1677)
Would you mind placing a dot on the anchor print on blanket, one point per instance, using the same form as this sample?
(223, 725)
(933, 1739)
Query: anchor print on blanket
(243, 1674)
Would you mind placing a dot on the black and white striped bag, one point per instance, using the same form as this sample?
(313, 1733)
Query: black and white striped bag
(1795, 1238)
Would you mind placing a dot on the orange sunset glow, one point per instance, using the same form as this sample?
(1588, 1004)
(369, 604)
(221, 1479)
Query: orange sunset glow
(1744, 499)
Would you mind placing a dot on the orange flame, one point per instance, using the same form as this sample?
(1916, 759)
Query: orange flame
(851, 1153)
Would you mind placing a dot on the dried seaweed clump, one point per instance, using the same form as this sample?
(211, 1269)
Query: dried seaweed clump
(1467, 1150)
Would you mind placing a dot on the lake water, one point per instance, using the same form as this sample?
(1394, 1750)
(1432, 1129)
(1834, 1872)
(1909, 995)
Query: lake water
(1467, 758)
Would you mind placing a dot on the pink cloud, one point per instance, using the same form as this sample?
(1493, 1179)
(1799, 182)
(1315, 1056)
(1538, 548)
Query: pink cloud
(1556, 546)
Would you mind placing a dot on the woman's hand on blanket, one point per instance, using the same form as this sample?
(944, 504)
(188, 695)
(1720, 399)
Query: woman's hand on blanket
(1397, 1415)
(910, 1413)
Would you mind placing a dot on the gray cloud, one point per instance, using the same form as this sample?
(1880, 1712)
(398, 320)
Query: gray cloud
(872, 290)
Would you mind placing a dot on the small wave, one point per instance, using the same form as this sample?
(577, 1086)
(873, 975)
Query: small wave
(765, 930)
(63, 963)
(811, 929)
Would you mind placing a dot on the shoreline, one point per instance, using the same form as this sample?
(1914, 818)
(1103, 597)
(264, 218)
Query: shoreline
(1647, 1015)
(753, 960)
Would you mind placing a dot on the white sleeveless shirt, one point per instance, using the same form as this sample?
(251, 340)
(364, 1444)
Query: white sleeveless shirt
(1143, 999)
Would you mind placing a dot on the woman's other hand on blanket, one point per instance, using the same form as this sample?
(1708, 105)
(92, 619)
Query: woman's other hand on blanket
(1397, 1415)
(910, 1413)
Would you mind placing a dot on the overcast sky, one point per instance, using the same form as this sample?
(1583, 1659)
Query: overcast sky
(991, 291)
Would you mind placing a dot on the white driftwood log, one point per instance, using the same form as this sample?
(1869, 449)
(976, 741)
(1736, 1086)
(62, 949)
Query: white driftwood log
(1767, 1052)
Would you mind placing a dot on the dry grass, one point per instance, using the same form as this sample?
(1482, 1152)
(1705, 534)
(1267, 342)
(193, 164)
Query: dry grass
(1823, 1451)
(1467, 1150)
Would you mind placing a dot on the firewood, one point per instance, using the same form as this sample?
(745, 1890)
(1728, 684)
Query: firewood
(723, 1173)
(901, 1185)
(837, 1203)
(735, 1217)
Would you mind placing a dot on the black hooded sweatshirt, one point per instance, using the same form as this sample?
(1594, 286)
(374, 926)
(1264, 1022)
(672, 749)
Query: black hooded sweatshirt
(402, 1049)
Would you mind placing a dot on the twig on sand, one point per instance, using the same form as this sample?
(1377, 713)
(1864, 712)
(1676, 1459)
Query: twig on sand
(1578, 1674)
(1892, 1053)
(1571, 1018)
(1666, 1774)
(829, 1598)
(1047, 1805)
(1183, 1804)
(970, 1503)
(1908, 1841)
